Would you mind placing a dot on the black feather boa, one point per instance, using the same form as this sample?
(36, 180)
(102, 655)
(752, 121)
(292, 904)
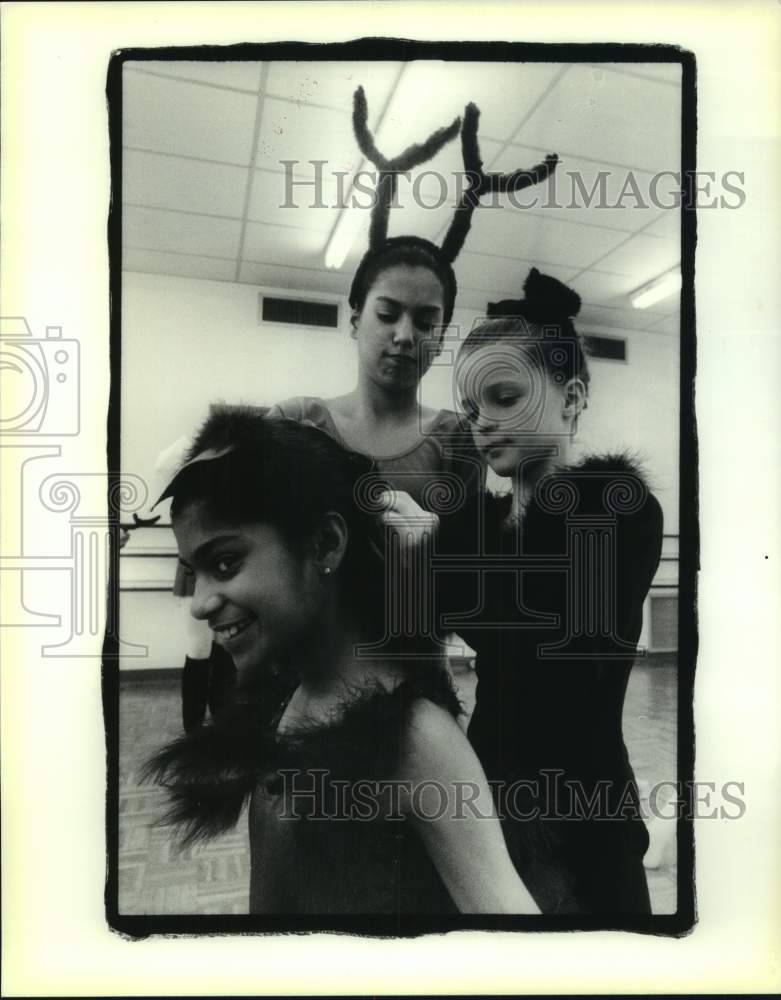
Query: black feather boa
(210, 773)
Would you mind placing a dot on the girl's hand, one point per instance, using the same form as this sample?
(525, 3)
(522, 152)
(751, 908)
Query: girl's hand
(408, 522)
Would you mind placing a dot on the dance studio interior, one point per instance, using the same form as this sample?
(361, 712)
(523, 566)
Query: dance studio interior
(241, 230)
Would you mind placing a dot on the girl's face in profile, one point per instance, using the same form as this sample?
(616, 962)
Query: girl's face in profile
(258, 593)
(515, 409)
(404, 306)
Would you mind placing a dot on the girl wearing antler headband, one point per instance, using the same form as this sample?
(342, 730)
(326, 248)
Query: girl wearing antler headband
(553, 607)
(402, 299)
(342, 814)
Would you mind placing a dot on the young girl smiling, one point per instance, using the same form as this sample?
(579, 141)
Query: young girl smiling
(287, 570)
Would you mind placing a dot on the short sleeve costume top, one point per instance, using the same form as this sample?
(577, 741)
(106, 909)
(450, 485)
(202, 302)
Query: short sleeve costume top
(326, 831)
(439, 472)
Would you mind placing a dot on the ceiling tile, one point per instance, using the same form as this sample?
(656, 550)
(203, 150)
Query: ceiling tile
(303, 133)
(358, 249)
(515, 233)
(474, 299)
(500, 276)
(171, 116)
(609, 116)
(154, 262)
(667, 72)
(667, 225)
(510, 157)
(424, 199)
(668, 325)
(595, 194)
(667, 307)
(432, 186)
(431, 95)
(445, 172)
(602, 288)
(623, 319)
(642, 257)
(154, 229)
(309, 201)
(332, 83)
(503, 91)
(158, 181)
(626, 114)
(239, 75)
(419, 216)
(283, 245)
(274, 276)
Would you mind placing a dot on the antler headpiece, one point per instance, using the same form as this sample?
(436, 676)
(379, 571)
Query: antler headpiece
(389, 170)
(478, 184)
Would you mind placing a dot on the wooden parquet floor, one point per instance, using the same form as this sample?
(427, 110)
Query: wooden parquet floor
(155, 878)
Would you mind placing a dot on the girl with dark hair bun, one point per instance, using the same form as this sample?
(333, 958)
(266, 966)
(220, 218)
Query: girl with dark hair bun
(402, 299)
(352, 787)
(523, 382)
(553, 606)
(404, 251)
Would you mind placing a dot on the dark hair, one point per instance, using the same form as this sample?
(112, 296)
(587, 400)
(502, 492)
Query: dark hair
(274, 470)
(404, 251)
(245, 468)
(542, 318)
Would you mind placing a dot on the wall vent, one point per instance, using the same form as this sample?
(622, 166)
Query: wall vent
(664, 623)
(608, 348)
(299, 312)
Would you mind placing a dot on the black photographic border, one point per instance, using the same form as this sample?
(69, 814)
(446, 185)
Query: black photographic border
(404, 926)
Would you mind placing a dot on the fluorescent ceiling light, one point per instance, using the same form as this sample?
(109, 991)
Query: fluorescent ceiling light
(343, 236)
(656, 290)
(416, 78)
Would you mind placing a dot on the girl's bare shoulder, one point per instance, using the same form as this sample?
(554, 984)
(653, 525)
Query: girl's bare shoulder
(432, 742)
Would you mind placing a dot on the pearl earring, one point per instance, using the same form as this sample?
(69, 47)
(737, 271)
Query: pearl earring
(327, 570)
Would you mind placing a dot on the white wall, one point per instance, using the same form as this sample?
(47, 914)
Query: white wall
(187, 342)
(636, 406)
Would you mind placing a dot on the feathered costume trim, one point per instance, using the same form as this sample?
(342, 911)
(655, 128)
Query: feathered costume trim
(210, 773)
(620, 462)
(594, 477)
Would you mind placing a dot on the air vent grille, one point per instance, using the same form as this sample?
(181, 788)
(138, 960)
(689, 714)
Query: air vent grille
(664, 623)
(299, 312)
(609, 348)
